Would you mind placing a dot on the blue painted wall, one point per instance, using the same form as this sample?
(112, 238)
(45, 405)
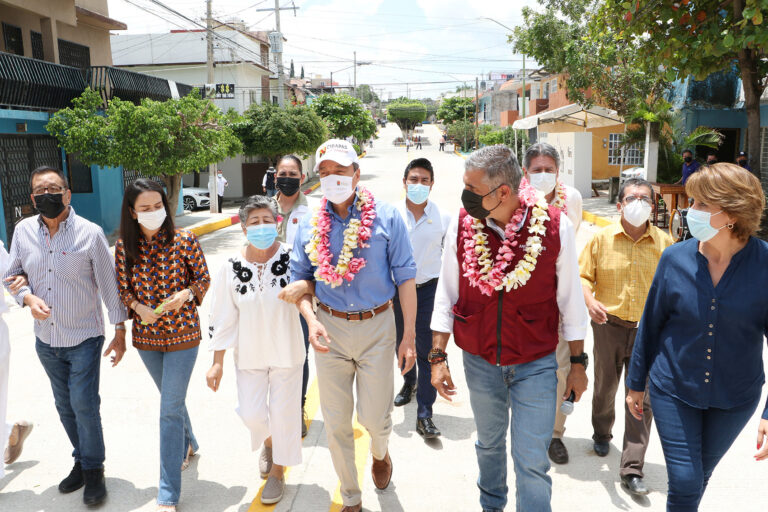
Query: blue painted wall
(102, 206)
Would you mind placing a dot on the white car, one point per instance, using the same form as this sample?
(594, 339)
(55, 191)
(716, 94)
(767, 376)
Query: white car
(633, 172)
(196, 197)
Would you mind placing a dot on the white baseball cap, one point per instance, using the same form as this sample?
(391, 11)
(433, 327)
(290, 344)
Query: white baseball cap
(340, 151)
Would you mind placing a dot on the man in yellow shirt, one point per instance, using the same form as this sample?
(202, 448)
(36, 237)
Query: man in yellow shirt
(616, 269)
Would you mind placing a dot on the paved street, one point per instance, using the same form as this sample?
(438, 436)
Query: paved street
(437, 476)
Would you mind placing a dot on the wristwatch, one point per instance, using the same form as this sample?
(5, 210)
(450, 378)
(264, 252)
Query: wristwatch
(436, 356)
(583, 360)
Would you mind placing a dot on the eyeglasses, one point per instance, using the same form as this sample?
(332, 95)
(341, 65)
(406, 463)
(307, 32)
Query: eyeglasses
(47, 190)
(632, 199)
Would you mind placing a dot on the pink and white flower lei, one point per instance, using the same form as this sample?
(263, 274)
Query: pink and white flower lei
(560, 198)
(478, 264)
(356, 234)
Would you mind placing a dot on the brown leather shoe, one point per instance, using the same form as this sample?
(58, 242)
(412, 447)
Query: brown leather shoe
(352, 508)
(19, 433)
(382, 472)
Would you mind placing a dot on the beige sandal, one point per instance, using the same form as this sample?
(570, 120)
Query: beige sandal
(184, 465)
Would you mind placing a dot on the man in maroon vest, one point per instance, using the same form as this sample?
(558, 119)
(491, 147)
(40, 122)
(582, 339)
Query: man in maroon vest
(514, 277)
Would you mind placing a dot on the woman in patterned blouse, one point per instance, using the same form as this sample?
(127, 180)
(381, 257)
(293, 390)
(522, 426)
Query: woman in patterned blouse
(265, 333)
(163, 279)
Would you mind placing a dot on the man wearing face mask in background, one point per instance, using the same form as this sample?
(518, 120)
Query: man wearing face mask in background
(427, 226)
(616, 268)
(356, 252)
(541, 165)
(690, 165)
(69, 267)
(741, 159)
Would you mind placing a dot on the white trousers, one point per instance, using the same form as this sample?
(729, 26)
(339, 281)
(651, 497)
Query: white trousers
(5, 354)
(269, 403)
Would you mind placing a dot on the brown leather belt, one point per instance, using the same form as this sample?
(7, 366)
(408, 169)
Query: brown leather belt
(621, 323)
(355, 316)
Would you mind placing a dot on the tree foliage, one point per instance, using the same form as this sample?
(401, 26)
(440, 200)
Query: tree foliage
(366, 94)
(272, 131)
(406, 113)
(517, 139)
(464, 133)
(456, 109)
(345, 116)
(164, 139)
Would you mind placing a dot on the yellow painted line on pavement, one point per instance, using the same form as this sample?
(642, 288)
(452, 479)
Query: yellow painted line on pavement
(208, 227)
(311, 406)
(362, 446)
(597, 220)
(458, 153)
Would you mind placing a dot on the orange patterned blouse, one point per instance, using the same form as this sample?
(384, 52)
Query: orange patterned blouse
(162, 272)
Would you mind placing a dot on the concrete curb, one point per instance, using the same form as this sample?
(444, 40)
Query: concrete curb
(595, 219)
(214, 225)
(458, 153)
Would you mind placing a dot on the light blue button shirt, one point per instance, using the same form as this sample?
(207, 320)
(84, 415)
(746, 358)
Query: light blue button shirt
(426, 235)
(389, 260)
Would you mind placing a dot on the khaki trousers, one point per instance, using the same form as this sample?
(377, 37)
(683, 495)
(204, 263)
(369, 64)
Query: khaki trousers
(563, 354)
(613, 348)
(360, 355)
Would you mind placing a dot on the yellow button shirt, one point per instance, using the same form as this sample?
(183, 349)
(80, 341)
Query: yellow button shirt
(619, 270)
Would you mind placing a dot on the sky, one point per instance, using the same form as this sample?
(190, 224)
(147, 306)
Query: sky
(423, 47)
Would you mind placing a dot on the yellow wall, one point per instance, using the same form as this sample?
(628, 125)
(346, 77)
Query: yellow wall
(600, 168)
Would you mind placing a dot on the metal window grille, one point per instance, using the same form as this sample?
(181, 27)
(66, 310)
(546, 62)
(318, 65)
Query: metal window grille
(633, 155)
(37, 45)
(553, 86)
(764, 151)
(12, 39)
(73, 54)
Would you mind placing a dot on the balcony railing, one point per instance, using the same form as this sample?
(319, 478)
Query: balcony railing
(32, 83)
(35, 83)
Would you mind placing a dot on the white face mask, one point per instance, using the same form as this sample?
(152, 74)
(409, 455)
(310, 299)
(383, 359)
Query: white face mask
(152, 220)
(637, 213)
(336, 189)
(543, 181)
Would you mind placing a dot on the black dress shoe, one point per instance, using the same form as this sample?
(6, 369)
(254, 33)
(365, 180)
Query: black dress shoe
(634, 484)
(558, 453)
(95, 488)
(74, 481)
(602, 448)
(405, 395)
(426, 428)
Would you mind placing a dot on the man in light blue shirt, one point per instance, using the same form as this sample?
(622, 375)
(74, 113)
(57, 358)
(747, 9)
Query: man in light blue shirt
(427, 226)
(353, 334)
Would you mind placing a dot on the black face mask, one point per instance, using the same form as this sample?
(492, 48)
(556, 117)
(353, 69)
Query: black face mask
(288, 186)
(50, 206)
(688, 159)
(473, 203)
(743, 163)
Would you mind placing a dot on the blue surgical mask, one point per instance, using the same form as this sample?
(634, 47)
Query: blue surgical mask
(699, 225)
(417, 192)
(261, 236)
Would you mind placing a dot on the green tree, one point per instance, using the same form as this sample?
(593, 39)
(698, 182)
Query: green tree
(463, 132)
(164, 139)
(366, 94)
(406, 113)
(302, 71)
(271, 131)
(345, 116)
(455, 109)
(508, 137)
(293, 72)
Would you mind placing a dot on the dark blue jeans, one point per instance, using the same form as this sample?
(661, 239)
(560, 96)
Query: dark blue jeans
(694, 441)
(74, 376)
(425, 393)
(305, 376)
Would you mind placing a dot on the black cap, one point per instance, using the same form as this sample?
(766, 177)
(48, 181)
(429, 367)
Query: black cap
(742, 153)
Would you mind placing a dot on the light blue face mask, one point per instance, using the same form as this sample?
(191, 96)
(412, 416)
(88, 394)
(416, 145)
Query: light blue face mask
(699, 225)
(261, 236)
(417, 192)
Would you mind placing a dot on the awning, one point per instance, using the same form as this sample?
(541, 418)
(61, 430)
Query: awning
(592, 117)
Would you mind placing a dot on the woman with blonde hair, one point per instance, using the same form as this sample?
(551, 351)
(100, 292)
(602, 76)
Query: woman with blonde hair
(700, 340)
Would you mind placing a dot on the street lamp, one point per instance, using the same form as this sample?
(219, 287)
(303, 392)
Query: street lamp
(511, 30)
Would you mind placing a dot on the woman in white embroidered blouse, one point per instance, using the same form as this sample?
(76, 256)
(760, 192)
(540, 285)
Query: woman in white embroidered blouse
(265, 333)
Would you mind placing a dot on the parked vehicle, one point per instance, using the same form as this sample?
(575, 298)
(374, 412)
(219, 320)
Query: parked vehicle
(195, 198)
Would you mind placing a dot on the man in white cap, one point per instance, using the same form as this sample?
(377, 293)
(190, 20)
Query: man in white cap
(356, 253)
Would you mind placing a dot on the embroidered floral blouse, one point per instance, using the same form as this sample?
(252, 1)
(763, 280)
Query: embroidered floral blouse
(247, 316)
(160, 273)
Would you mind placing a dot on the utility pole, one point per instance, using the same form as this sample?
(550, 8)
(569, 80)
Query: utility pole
(278, 49)
(477, 109)
(212, 185)
(524, 101)
(354, 87)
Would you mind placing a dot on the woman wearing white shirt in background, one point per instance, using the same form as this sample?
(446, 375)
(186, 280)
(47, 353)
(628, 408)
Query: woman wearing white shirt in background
(265, 333)
(541, 164)
(14, 434)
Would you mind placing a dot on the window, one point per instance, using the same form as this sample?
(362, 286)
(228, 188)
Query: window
(73, 54)
(274, 100)
(546, 91)
(80, 181)
(12, 39)
(633, 155)
(37, 45)
(553, 86)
